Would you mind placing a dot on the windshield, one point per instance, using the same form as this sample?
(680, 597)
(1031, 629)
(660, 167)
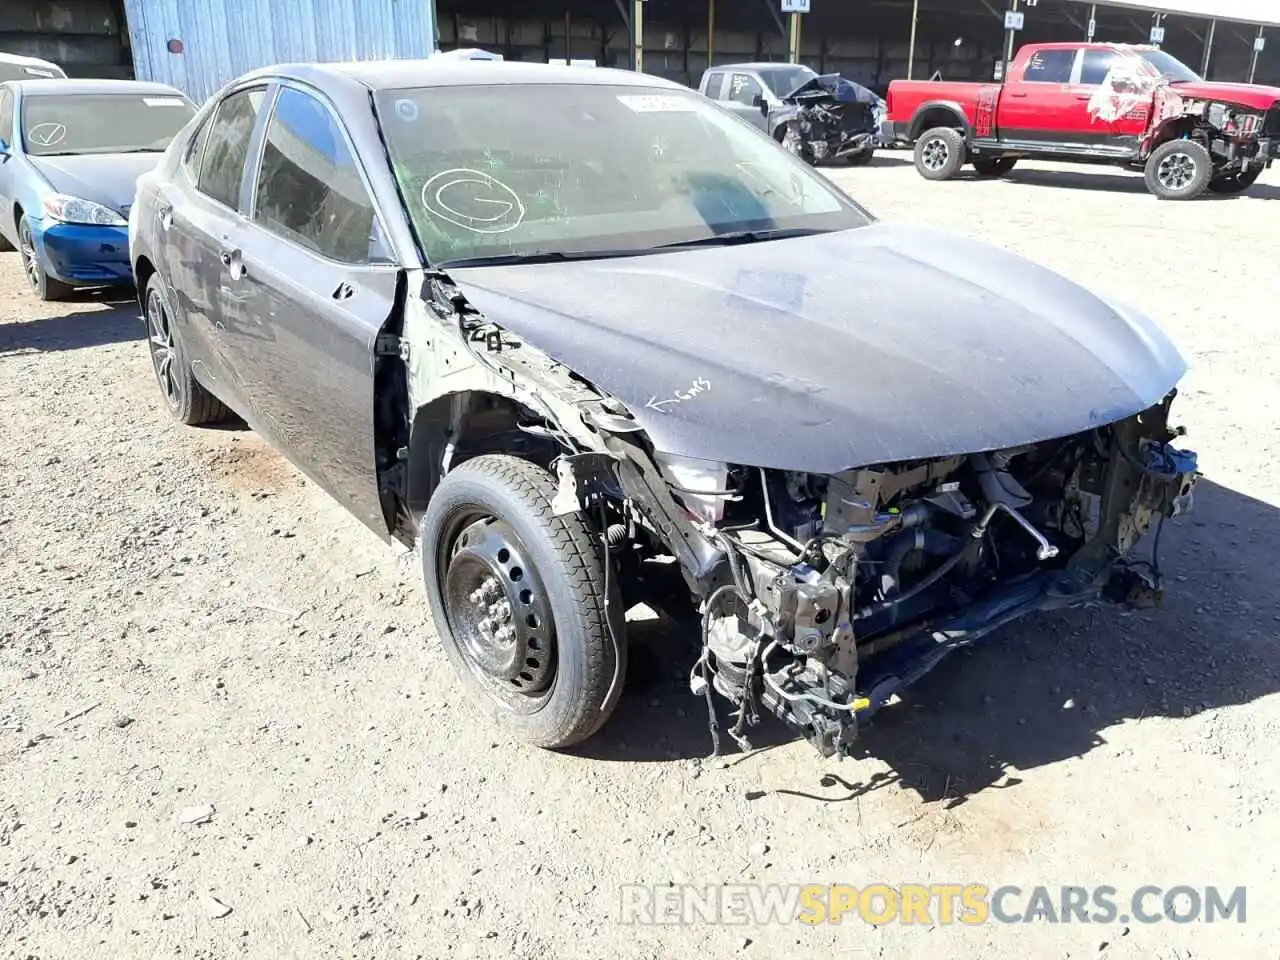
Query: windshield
(584, 168)
(65, 125)
(783, 80)
(1170, 68)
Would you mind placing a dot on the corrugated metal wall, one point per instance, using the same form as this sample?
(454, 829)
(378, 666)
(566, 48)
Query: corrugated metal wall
(222, 39)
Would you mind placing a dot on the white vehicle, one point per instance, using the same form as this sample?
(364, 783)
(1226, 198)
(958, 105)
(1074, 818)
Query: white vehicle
(14, 66)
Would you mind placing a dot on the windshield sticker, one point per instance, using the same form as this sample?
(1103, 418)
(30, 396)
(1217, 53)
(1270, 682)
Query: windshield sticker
(657, 103)
(406, 110)
(473, 200)
(47, 134)
(37, 72)
(163, 101)
(698, 386)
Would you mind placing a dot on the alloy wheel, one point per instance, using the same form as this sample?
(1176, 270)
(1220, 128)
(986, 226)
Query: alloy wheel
(30, 259)
(163, 352)
(935, 154)
(1176, 171)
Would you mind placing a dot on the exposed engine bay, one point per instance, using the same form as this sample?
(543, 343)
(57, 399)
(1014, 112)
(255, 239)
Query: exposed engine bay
(834, 118)
(910, 560)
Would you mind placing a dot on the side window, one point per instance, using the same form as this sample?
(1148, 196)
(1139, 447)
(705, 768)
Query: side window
(194, 150)
(227, 147)
(715, 86)
(1096, 66)
(6, 116)
(309, 188)
(744, 88)
(1050, 66)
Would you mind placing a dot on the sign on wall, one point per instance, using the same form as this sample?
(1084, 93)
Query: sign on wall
(1014, 19)
(795, 6)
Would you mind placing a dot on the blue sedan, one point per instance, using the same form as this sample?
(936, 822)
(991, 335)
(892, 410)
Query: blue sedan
(71, 152)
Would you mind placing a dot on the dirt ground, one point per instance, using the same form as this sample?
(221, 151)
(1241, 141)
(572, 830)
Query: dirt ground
(185, 621)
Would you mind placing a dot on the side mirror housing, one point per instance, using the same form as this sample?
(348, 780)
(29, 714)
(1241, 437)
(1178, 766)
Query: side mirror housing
(760, 103)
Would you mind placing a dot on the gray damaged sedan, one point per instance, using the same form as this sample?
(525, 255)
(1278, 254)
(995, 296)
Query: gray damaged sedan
(589, 340)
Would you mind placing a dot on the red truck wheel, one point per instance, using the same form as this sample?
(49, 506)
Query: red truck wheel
(940, 153)
(1178, 170)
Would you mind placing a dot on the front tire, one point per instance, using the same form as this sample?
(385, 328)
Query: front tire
(940, 153)
(42, 285)
(185, 399)
(518, 597)
(1235, 183)
(861, 158)
(1178, 170)
(994, 166)
(795, 145)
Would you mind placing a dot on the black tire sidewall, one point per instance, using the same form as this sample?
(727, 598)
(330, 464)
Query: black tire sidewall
(1199, 182)
(955, 153)
(994, 166)
(1238, 183)
(567, 715)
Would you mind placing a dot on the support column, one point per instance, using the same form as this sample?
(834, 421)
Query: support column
(911, 53)
(637, 35)
(1092, 28)
(711, 31)
(1253, 64)
(1208, 49)
(793, 38)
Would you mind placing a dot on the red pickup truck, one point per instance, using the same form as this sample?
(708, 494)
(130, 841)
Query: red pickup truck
(1131, 106)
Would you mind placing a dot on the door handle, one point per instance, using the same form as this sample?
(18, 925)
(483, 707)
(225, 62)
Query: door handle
(1013, 94)
(166, 216)
(232, 259)
(1084, 96)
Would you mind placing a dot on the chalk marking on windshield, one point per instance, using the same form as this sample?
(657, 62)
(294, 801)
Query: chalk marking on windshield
(47, 134)
(700, 385)
(658, 102)
(505, 209)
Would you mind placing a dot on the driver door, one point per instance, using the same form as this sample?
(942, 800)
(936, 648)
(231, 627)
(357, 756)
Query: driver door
(744, 94)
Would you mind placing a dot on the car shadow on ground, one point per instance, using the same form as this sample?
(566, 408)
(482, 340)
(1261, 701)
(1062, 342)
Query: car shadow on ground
(79, 328)
(1115, 181)
(1035, 693)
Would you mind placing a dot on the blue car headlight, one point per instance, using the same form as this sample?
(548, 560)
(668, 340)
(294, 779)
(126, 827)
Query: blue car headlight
(67, 209)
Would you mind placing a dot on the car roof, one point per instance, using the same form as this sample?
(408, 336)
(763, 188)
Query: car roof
(26, 61)
(397, 74)
(37, 88)
(759, 66)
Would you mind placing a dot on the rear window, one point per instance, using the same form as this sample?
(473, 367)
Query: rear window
(75, 124)
(1050, 66)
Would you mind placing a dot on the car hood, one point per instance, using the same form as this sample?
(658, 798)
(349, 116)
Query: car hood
(837, 350)
(1250, 95)
(105, 178)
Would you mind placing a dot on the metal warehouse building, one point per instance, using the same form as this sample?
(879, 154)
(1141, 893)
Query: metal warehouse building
(198, 45)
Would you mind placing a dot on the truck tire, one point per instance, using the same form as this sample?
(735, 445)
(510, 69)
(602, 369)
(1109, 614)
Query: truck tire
(1178, 170)
(1235, 183)
(940, 153)
(994, 166)
(521, 601)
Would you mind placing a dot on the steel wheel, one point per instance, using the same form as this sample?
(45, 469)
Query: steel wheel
(163, 351)
(934, 154)
(497, 608)
(1176, 171)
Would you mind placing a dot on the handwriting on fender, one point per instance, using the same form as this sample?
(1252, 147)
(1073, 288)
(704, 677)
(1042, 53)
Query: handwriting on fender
(700, 385)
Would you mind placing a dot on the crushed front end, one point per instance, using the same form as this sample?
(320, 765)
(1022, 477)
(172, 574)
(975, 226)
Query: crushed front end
(837, 591)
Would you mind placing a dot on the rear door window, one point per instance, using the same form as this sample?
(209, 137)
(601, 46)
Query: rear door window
(309, 187)
(227, 149)
(1050, 66)
(6, 115)
(715, 86)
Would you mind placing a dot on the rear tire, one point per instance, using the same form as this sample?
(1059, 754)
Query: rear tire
(940, 153)
(1178, 170)
(518, 598)
(1236, 183)
(994, 166)
(185, 399)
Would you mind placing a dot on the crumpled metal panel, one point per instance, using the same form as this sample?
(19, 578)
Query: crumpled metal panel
(222, 39)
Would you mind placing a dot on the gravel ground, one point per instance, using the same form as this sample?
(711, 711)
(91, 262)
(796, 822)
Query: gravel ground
(186, 621)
